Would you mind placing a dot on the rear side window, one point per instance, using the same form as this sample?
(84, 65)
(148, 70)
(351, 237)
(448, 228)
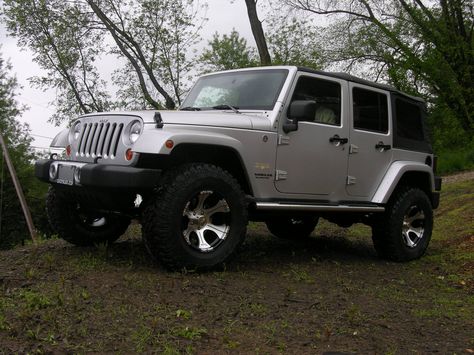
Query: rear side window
(370, 110)
(408, 120)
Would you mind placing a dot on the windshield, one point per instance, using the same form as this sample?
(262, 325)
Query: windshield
(245, 90)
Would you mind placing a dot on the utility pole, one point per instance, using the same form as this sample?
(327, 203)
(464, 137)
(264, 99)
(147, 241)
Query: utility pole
(19, 191)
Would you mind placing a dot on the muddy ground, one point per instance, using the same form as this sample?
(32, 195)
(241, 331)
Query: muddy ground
(330, 294)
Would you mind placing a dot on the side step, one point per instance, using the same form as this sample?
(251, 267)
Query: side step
(275, 206)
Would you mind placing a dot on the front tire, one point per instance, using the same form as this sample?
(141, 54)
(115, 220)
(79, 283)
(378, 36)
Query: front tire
(197, 220)
(292, 228)
(80, 226)
(404, 231)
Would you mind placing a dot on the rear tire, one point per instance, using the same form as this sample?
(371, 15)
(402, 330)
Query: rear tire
(292, 228)
(197, 220)
(79, 226)
(403, 232)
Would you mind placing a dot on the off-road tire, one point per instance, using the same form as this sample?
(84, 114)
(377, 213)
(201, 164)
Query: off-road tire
(67, 221)
(292, 228)
(387, 230)
(164, 223)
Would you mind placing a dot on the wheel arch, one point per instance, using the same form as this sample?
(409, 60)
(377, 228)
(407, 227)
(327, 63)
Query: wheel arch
(223, 156)
(405, 174)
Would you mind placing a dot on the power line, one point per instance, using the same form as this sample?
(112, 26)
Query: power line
(37, 135)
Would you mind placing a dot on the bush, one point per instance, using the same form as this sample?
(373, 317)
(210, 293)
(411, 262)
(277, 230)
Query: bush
(453, 160)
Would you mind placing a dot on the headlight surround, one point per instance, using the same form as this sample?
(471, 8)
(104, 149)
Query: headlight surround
(134, 132)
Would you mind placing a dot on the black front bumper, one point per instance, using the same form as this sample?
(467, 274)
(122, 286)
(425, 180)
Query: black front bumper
(101, 176)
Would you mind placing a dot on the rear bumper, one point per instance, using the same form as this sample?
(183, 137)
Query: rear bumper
(435, 194)
(96, 175)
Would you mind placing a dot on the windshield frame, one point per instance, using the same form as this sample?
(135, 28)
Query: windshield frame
(249, 71)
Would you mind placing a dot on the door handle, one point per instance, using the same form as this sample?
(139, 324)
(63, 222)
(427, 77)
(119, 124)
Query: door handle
(383, 147)
(338, 140)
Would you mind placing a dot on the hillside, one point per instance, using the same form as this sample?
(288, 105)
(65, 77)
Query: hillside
(329, 294)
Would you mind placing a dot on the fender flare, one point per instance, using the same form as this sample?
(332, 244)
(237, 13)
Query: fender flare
(61, 140)
(394, 175)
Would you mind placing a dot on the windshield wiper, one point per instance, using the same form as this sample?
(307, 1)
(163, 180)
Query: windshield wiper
(225, 106)
(190, 108)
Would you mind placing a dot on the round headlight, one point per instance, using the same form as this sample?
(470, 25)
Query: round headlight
(76, 130)
(135, 131)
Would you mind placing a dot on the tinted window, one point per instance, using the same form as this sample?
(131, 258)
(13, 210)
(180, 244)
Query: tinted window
(370, 110)
(327, 95)
(408, 116)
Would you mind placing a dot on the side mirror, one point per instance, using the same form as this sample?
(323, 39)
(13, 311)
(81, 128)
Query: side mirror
(299, 110)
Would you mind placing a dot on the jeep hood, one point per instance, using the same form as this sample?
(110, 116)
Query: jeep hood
(245, 120)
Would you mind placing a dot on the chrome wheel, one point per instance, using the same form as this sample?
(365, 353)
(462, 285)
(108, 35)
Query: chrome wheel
(413, 226)
(206, 221)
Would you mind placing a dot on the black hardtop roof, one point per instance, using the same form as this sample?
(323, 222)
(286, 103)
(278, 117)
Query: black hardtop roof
(358, 80)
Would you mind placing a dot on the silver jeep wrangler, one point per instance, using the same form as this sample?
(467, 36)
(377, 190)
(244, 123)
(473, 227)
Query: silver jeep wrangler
(283, 145)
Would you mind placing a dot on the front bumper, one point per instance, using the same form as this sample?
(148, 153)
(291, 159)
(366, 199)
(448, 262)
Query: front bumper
(70, 173)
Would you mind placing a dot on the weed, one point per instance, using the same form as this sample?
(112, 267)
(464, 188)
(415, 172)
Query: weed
(34, 300)
(182, 313)
(231, 344)
(301, 275)
(169, 349)
(257, 309)
(190, 333)
(49, 260)
(354, 313)
(141, 338)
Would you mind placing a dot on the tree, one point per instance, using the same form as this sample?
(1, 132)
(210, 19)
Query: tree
(66, 45)
(257, 31)
(426, 45)
(151, 38)
(293, 40)
(227, 52)
(13, 229)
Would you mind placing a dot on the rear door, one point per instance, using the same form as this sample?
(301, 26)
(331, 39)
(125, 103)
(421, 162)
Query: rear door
(370, 151)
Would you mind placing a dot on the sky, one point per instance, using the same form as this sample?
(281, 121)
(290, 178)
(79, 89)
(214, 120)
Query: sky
(223, 15)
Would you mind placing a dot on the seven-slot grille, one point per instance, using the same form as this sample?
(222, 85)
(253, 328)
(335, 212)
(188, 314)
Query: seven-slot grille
(100, 140)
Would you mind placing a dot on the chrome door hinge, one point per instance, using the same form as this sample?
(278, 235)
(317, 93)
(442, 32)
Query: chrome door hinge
(353, 149)
(280, 175)
(283, 140)
(351, 180)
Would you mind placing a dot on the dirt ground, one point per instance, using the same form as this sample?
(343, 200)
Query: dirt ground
(327, 295)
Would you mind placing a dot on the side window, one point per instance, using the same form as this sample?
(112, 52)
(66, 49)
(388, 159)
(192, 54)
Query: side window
(370, 110)
(327, 95)
(408, 120)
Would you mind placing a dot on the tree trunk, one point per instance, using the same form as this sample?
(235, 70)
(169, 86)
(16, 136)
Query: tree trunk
(258, 33)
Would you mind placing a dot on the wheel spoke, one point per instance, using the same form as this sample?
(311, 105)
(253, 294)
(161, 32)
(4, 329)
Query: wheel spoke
(418, 231)
(418, 216)
(407, 239)
(203, 245)
(218, 230)
(201, 199)
(187, 233)
(220, 206)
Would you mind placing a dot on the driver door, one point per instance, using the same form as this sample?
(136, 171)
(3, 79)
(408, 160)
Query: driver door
(308, 161)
